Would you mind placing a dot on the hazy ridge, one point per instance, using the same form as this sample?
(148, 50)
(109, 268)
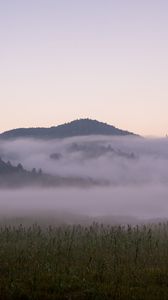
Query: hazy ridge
(81, 127)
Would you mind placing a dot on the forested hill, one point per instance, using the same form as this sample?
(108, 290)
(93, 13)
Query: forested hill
(81, 127)
(18, 177)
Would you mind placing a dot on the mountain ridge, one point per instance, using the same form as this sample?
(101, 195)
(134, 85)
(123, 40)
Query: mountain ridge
(79, 127)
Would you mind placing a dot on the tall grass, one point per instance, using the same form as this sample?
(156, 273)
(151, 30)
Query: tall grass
(76, 262)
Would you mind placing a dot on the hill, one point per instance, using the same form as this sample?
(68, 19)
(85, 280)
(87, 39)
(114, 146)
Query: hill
(81, 127)
(17, 177)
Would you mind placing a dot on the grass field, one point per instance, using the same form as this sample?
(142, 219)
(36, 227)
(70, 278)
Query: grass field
(77, 262)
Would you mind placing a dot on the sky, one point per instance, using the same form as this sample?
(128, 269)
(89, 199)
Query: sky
(69, 59)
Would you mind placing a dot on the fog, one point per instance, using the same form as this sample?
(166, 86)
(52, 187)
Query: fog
(136, 169)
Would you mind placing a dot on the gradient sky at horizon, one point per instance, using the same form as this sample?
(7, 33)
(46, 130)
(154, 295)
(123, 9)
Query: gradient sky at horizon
(68, 59)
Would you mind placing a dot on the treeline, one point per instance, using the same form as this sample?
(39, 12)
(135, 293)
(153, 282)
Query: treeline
(16, 176)
(7, 168)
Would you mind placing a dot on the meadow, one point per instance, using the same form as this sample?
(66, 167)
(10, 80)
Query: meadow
(84, 262)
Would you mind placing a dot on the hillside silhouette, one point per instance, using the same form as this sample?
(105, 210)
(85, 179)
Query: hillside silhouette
(81, 127)
(17, 177)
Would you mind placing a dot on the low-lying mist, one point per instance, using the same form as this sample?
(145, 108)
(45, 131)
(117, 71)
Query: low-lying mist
(121, 160)
(135, 168)
(144, 202)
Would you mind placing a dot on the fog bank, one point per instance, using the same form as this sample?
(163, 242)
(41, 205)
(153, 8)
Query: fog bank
(136, 169)
(120, 160)
(142, 203)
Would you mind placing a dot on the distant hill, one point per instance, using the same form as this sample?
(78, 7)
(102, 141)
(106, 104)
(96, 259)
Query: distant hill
(18, 177)
(81, 127)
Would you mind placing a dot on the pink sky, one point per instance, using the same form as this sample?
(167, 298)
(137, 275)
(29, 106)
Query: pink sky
(62, 60)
